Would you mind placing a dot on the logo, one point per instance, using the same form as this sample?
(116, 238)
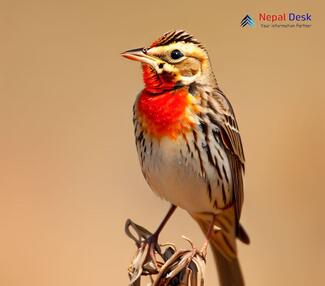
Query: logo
(284, 17)
(247, 20)
(278, 20)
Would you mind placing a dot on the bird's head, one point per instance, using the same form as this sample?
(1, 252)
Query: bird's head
(176, 59)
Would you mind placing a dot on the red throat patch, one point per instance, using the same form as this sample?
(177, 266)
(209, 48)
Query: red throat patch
(154, 82)
(164, 114)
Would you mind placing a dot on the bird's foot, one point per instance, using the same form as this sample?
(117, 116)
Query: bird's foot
(145, 261)
(183, 266)
(204, 249)
(151, 248)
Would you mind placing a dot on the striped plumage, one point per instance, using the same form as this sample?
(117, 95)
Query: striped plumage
(189, 144)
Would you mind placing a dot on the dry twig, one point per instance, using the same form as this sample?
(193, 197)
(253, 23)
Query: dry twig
(173, 267)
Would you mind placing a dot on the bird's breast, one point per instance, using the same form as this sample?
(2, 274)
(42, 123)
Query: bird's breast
(167, 114)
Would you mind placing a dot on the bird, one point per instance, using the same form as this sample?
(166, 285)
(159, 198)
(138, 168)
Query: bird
(189, 145)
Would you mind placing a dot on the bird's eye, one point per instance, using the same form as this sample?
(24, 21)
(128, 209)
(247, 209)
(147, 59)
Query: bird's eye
(176, 54)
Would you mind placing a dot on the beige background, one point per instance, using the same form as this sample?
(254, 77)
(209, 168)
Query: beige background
(69, 175)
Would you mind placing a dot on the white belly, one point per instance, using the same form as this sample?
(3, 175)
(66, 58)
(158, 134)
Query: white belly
(175, 176)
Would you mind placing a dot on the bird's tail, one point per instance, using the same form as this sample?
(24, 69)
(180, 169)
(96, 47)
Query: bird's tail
(228, 268)
(223, 244)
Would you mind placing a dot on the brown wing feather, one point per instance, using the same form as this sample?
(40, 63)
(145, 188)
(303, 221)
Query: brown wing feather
(234, 148)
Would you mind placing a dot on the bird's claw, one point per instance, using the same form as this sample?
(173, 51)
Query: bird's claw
(204, 250)
(181, 267)
(145, 261)
(152, 247)
(176, 267)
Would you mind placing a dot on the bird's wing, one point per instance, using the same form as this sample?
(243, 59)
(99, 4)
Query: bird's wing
(230, 136)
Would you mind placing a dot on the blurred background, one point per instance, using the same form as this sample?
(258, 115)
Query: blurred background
(69, 173)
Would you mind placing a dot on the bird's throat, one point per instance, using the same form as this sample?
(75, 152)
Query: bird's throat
(166, 114)
(157, 83)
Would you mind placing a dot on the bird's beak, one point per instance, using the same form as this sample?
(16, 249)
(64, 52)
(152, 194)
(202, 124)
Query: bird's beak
(141, 55)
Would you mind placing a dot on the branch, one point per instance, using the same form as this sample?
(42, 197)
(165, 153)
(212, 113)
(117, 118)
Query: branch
(185, 267)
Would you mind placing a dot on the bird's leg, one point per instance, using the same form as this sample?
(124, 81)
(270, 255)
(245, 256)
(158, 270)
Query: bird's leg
(164, 221)
(204, 249)
(152, 241)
